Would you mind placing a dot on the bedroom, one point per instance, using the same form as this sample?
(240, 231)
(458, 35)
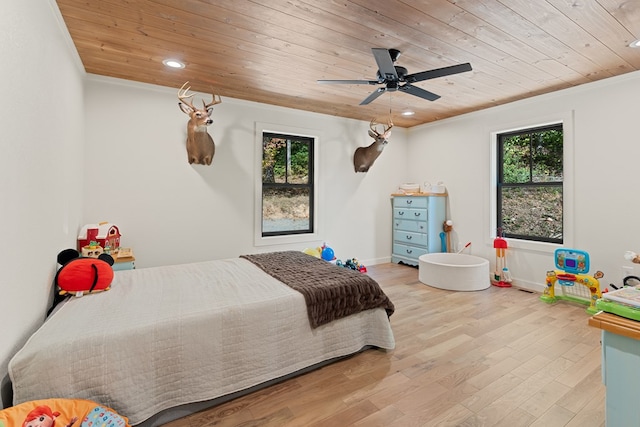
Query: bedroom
(80, 149)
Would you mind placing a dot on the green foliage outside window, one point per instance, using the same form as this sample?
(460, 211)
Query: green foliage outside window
(530, 176)
(287, 184)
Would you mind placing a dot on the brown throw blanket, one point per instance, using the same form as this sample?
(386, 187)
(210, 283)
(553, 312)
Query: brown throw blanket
(330, 292)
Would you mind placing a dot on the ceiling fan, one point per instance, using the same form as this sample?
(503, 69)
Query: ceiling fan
(396, 78)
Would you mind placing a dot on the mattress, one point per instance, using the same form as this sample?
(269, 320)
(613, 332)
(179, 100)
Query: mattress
(167, 336)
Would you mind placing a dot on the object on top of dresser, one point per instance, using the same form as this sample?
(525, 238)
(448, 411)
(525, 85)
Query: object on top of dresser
(104, 234)
(409, 188)
(437, 188)
(92, 250)
(123, 253)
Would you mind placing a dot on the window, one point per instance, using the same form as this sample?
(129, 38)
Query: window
(530, 184)
(287, 184)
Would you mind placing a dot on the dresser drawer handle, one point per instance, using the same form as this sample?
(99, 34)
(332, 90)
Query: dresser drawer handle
(417, 213)
(401, 213)
(409, 202)
(408, 237)
(409, 251)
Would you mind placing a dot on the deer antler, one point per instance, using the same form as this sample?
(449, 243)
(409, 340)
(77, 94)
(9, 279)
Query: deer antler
(182, 96)
(214, 101)
(387, 128)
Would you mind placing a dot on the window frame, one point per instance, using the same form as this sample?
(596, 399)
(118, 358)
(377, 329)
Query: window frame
(310, 185)
(567, 119)
(279, 129)
(500, 184)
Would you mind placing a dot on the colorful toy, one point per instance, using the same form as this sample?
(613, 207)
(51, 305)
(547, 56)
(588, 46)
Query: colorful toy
(352, 264)
(572, 267)
(324, 252)
(83, 275)
(61, 413)
(105, 234)
(93, 250)
(501, 276)
(315, 252)
(328, 254)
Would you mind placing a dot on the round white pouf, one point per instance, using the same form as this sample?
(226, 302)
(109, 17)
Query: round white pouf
(454, 272)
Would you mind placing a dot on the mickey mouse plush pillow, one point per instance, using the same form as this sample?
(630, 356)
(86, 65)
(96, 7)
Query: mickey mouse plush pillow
(80, 275)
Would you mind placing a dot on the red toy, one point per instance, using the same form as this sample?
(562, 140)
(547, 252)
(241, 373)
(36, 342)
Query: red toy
(502, 277)
(83, 275)
(105, 234)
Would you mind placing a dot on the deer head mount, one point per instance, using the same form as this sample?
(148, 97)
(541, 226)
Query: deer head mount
(200, 146)
(364, 157)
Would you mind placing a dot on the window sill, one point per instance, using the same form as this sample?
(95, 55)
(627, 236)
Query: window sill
(541, 247)
(284, 240)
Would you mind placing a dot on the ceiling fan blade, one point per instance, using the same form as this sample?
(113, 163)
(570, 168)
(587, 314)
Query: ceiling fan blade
(438, 72)
(385, 64)
(349, 82)
(374, 95)
(414, 90)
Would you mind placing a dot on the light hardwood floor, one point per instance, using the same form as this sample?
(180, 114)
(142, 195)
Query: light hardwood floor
(498, 357)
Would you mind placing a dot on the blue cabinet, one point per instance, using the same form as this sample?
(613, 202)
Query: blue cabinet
(124, 260)
(129, 264)
(620, 373)
(417, 223)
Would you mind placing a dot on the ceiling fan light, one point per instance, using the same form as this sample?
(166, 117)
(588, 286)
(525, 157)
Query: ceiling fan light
(173, 63)
(408, 113)
(635, 43)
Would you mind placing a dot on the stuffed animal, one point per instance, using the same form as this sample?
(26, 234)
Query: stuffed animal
(61, 413)
(80, 275)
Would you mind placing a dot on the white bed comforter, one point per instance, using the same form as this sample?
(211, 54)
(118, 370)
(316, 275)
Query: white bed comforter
(171, 335)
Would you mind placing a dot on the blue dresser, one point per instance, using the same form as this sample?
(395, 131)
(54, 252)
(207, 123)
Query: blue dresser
(124, 260)
(417, 223)
(620, 373)
(124, 264)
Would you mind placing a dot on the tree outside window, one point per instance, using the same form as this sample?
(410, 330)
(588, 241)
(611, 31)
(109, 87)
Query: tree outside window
(530, 184)
(287, 184)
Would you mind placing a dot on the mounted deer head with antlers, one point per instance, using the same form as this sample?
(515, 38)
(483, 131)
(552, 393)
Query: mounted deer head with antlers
(364, 157)
(200, 146)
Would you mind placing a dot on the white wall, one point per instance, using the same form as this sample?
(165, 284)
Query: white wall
(605, 158)
(137, 177)
(41, 119)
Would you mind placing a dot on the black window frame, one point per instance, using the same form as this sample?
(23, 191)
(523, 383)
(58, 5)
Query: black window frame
(310, 184)
(500, 184)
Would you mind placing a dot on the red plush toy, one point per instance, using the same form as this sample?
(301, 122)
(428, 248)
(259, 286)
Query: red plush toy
(83, 275)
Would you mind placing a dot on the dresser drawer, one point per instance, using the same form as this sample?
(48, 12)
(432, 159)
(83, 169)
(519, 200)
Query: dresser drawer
(409, 202)
(409, 237)
(408, 251)
(410, 225)
(408, 213)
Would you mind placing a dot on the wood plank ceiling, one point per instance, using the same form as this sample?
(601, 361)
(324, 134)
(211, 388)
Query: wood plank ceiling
(273, 51)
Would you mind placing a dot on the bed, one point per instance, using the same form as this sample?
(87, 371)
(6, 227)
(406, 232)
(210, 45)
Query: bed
(166, 337)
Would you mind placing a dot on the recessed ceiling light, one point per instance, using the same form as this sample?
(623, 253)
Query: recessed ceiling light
(408, 113)
(173, 63)
(635, 43)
